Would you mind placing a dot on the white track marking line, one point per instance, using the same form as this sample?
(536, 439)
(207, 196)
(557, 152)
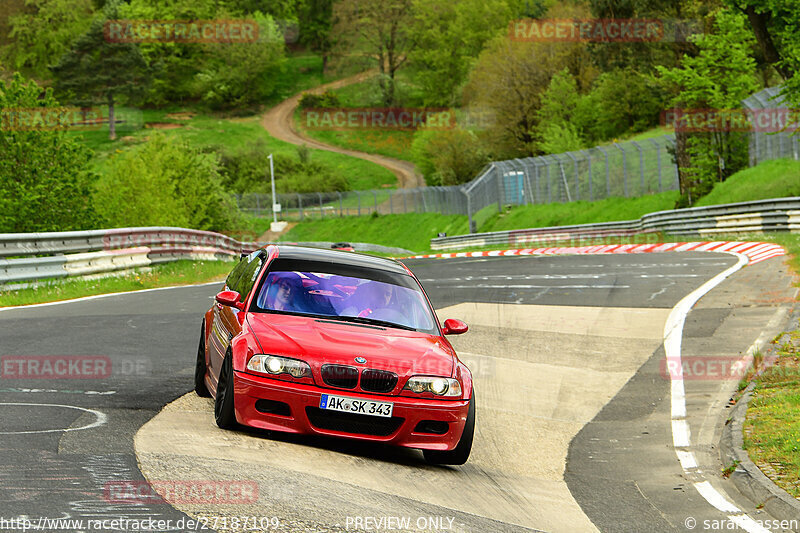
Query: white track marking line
(100, 418)
(681, 433)
(98, 296)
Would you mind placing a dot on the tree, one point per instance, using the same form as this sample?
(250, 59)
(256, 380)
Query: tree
(45, 30)
(164, 182)
(557, 130)
(316, 24)
(44, 174)
(450, 37)
(242, 74)
(96, 70)
(379, 31)
(776, 27)
(719, 77)
(509, 79)
(448, 157)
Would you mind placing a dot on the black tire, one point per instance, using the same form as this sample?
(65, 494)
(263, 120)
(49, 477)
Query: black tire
(459, 454)
(200, 387)
(223, 403)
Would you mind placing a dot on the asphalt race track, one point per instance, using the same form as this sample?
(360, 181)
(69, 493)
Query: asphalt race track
(573, 429)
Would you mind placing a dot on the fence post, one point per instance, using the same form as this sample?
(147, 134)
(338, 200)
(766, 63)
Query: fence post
(591, 185)
(375, 197)
(472, 228)
(500, 184)
(300, 205)
(658, 159)
(321, 214)
(642, 192)
(624, 168)
(358, 193)
(391, 209)
(340, 204)
(258, 206)
(405, 201)
(577, 179)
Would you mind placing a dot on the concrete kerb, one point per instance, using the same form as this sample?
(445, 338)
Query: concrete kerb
(747, 477)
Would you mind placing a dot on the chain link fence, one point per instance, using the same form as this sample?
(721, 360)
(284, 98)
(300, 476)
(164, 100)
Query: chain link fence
(766, 145)
(445, 200)
(624, 169)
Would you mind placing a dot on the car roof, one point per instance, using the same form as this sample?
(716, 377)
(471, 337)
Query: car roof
(340, 257)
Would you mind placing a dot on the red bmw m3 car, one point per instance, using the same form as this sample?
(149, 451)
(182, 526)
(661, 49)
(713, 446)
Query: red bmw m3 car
(325, 342)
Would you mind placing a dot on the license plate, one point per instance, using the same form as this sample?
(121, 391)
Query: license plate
(355, 405)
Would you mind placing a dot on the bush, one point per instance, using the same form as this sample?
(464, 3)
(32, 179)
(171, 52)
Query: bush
(242, 74)
(247, 171)
(44, 176)
(621, 102)
(313, 101)
(447, 157)
(165, 182)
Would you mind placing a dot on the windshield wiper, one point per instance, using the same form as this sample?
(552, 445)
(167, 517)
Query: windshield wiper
(372, 321)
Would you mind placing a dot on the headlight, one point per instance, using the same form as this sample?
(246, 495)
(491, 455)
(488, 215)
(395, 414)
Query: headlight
(447, 387)
(272, 364)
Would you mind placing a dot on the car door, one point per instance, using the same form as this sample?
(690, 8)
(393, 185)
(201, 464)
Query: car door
(227, 321)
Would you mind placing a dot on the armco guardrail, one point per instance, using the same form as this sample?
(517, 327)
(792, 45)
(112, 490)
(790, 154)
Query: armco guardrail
(780, 214)
(28, 257)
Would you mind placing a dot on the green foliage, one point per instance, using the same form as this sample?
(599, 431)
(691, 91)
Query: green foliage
(510, 78)
(315, 24)
(448, 157)
(719, 77)
(44, 31)
(247, 170)
(557, 131)
(96, 70)
(450, 35)
(621, 102)
(164, 182)
(236, 75)
(326, 99)
(44, 177)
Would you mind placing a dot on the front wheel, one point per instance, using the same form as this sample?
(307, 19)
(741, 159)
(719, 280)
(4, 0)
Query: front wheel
(200, 387)
(223, 403)
(459, 454)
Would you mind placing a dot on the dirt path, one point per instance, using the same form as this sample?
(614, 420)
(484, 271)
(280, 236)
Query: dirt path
(279, 122)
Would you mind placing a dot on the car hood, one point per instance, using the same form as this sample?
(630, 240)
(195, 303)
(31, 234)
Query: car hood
(322, 341)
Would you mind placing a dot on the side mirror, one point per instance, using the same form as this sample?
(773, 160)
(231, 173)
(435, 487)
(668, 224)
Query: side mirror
(229, 298)
(453, 326)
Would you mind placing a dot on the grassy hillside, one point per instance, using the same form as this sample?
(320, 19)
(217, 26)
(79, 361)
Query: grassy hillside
(770, 179)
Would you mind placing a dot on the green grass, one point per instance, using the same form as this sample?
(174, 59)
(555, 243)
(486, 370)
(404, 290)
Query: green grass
(391, 143)
(206, 131)
(608, 210)
(411, 231)
(772, 428)
(658, 131)
(183, 272)
(770, 179)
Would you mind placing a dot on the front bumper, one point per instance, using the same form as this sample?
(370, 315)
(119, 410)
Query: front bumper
(248, 389)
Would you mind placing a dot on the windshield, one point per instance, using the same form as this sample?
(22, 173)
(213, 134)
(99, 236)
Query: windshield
(351, 298)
